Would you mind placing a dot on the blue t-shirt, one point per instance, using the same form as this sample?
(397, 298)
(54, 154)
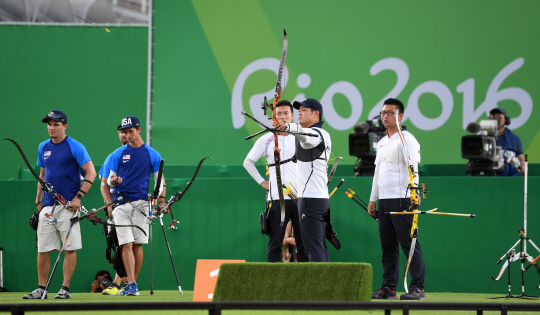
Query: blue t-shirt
(509, 141)
(134, 166)
(62, 163)
(105, 169)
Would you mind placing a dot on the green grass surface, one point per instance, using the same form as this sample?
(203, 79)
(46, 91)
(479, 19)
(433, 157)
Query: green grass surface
(159, 296)
(174, 296)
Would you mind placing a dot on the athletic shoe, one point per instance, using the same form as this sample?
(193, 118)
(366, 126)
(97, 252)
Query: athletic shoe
(113, 289)
(63, 294)
(384, 293)
(414, 294)
(124, 288)
(36, 294)
(130, 289)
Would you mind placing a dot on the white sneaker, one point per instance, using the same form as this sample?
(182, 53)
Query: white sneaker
(63, 294)
(36, 294)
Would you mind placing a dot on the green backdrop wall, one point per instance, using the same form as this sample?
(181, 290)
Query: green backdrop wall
(450, 62)
(219, 220)
(95, 77)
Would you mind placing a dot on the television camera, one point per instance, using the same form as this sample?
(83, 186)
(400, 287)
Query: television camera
(363, 145)
(482, 150)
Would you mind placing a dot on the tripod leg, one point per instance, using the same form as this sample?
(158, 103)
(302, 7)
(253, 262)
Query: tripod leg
(170, 254)
(523, 255)
(536, 247)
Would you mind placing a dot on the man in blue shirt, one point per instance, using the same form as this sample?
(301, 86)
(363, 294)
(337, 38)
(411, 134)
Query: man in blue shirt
(104, 172)
(61, 159)
(509, 141)
(130, 168)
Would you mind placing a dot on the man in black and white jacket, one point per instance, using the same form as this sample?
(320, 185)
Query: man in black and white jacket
(312, 154)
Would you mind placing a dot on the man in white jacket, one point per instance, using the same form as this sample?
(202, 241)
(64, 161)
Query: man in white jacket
(264, 146)
(312, 154)
(391, 187)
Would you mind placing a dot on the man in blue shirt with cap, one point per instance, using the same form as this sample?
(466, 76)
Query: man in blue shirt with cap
(509, 141)
(130, 168)
(62, 161)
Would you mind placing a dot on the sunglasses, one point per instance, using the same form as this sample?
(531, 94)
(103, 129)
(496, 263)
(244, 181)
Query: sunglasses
(56, 116)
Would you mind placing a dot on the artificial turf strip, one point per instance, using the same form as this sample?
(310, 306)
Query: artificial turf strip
(173, 296)
(159, 296)
(294, 282)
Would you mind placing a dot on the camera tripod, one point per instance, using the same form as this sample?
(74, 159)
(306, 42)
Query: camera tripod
(512, 256)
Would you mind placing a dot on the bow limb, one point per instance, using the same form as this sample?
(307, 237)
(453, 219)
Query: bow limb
(501, 271)
(158, 180)
(41, 181)
(412, 174)
(194, 175)
(411, 253)
(277, 157)
(333, 170)
(414, 195)
(512, 258)
(176, 197)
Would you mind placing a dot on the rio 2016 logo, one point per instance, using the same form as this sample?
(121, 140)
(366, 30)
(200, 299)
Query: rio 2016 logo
(400, 68)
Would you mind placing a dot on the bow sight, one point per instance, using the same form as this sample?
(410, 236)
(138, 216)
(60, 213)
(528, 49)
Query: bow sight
(266, 106)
